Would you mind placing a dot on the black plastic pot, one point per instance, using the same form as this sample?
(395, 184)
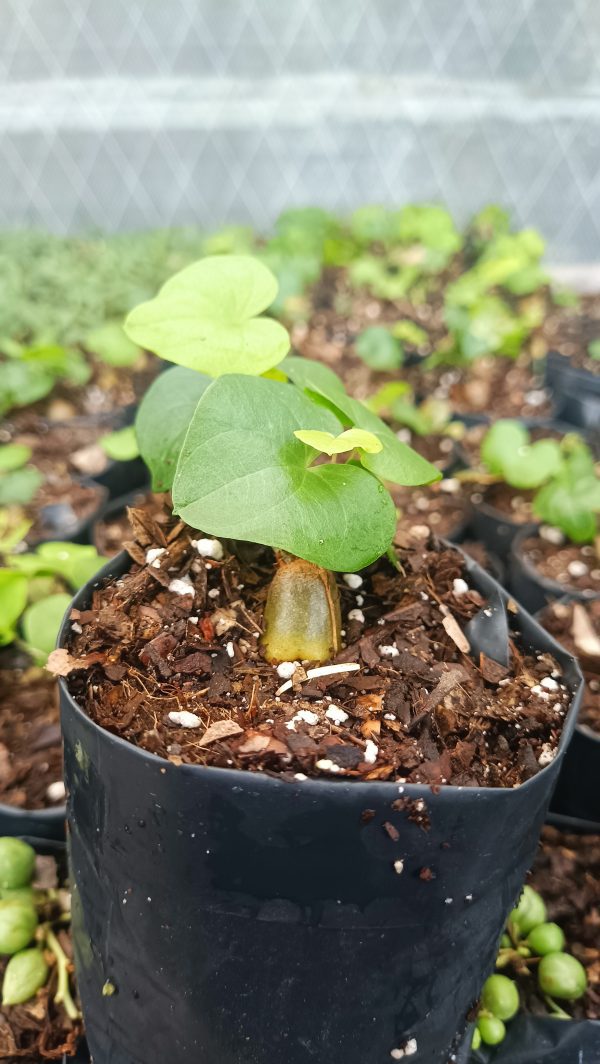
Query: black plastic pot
(495, 530)
(120, 478)
(561, 376)
(581, 409)
(244, 919)
(529, 587)
(543, 1040)
(46, 824)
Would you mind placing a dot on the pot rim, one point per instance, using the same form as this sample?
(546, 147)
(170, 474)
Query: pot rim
(562, 590)
(121, 562)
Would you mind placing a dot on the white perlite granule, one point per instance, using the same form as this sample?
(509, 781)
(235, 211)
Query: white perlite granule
(460, 587)
(337, 714)
(185, 719)
(209, 548)
(371, 751)
(353, 580)
(55, 792)
(356, 615)
(286, 670)
(407, 1050)
(182, 586)
(153, 555)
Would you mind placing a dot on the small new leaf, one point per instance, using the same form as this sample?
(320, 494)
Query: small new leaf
(349, 440)
(207, 318)
(41, 622)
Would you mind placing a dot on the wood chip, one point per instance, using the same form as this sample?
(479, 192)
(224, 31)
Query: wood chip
(61, 663)
(456, 633)
(582, 630)
(221, 729)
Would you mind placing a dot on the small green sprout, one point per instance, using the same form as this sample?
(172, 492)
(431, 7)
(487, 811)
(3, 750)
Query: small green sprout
(121, 445)
(18, 481)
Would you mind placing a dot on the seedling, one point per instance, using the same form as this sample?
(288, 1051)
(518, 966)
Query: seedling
(30, 373)
(122, 445)
(18, 480)
(27, 931)
(432, 417)
(245, 454)
(530, 947)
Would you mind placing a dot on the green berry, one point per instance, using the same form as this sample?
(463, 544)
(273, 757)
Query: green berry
(563, 976)
(530, 911)
(18, 923)
(27, 895)
(476, 1039)
(25, 973)
(546, 938)
(505, 942)
(17, 860)
(491, 1029)
(500, 997)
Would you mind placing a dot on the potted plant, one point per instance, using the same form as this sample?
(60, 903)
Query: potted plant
(298, 772)
(576, 626)
(561, 556)
(511, 469)
(35, 590)
(40, 1015)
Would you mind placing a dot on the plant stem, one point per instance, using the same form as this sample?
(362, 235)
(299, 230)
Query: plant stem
(302, 614)
(63, 990)
(555, 1009)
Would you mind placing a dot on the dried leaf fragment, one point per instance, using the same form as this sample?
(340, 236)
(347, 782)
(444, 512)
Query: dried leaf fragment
(221, 729)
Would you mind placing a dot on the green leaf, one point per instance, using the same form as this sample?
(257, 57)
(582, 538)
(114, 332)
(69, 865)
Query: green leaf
(533, 466)
(594, 349)
(372, 224)
(61, 362)
(19, 487)
(410, 333)
(382, 400)
(349, 440)
(242, 474)
(122, 445)
(74, 562)
(504, 437)
(379, 349)
(13, 599)
(25, 974)
(206, 318)
(396, 462)
(22, 383)
(571, 499)
(163, 419)
(41, 623)
(109, 344)
(13, 456)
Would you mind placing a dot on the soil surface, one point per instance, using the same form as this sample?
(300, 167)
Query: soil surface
(109, 388)
(30, 742)
(512, 505)
(111, 531)
(443, 506)
(63, 447)
(497, 386)
(567, 875)
(412, 705)
(60, 505)
(571, 330)
(40, 1030)
(575, 566)
(576, 626)
(439, 450)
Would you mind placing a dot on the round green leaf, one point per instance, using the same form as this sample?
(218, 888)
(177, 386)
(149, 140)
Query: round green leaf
(379, 349)
(242, 474)
(13, 599)
(25, 974)
(41, 622)
(504, 438)
(206, 317)
(163, 419)
(13, 456)
(110, 344)
(122, 445)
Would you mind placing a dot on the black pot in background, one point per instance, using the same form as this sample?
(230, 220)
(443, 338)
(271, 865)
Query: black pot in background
(581, 410)
(245, 919)
(495, 529)
(562, 376)
(531, 589)
(121, 478)
(47, 824)
(74, 531)
(543, 1040)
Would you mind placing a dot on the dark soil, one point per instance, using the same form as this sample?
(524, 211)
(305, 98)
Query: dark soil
(40, 1029)
(64, 447)
(60, 505)
(570, 331)
(439, 450)
(111, 531)
(416, 706)
(567, 875)
(498, 386)
(511, 504)
(443, 506)
(577, 627)
(573, 565)
(30, 742)
(110, 388)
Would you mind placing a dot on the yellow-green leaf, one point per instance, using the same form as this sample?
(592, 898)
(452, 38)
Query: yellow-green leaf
(346, 441)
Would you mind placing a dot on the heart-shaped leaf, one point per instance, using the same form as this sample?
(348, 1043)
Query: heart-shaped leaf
(349, 440)
(163, 419)
(122, 445)
(504, 437)
(396, 462)
(41, 622)
(206, 317)
(243, 474)
(19, 487)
